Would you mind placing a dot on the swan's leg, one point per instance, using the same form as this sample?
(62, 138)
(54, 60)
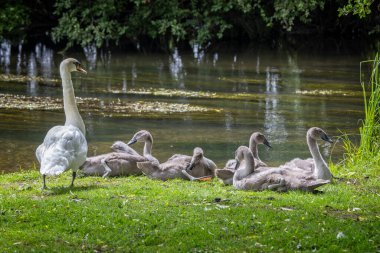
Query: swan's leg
(106, 167)
(72, 182)
(190, 177)
(44, 182)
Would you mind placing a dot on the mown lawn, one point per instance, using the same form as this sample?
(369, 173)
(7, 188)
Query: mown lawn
(137, 214)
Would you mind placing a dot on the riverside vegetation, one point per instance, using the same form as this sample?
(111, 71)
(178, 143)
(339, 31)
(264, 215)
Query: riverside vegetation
(165, 24)
(136, 214)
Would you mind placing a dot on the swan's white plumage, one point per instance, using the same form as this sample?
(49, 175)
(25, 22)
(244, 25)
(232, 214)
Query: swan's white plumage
(64, 147)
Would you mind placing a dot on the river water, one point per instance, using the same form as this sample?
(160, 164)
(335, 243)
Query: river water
(185, 99)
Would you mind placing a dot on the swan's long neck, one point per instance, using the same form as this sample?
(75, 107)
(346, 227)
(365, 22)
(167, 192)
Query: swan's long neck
(253, 148)
(246, 167)
(148, 146)
(69, 104)
(321, 171)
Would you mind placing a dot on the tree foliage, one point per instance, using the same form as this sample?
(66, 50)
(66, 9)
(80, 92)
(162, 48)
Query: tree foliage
(13, 19)
(362, 8)
(170, 22)
(88, 22)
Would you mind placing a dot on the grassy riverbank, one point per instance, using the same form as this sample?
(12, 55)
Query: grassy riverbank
(136, 214)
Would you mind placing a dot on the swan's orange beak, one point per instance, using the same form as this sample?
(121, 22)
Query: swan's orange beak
(80, 69)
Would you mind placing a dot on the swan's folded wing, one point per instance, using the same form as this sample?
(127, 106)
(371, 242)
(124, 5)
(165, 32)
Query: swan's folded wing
(148, 167)
(126, 156)
(224, 173)
(303, 164)
(64, 147)
(180, 158)
(230, 164)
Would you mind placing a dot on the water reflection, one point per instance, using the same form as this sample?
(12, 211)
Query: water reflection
(258, 65)
(105, 57)
(294, 82)
(215, 59)
(19, 58)
(274, 122)
(90, 53)
(228, 121)
(271, 80)
(32, 72)
(198, 53)
(177, 69)
(5, 55)
(134, 73)
(44, 57)
(125, 82)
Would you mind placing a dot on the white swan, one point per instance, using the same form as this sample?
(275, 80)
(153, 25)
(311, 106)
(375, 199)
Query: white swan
(65, 147)
(315, 167)
(226, 174)
(122, 163)
(276, 179)
(180, 166)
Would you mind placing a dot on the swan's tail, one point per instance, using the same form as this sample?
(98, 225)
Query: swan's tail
(53, 165)
(53, 171)
(224, 173)
(148, 168)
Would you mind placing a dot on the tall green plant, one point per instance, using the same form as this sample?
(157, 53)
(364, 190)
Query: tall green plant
(369, 131)
(365, 158)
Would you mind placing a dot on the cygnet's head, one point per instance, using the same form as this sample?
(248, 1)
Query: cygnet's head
(317, 133)
(259, 138)
(197, 156)
(141, 136)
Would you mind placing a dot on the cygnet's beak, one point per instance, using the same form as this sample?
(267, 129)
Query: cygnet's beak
(326, 138)
(266, 143)
(133, 140)
(190, 166)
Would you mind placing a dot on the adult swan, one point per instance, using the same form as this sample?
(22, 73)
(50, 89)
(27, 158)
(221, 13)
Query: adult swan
(64, 147)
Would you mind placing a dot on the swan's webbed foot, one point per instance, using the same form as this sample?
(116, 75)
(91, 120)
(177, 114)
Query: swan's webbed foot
(106, 167)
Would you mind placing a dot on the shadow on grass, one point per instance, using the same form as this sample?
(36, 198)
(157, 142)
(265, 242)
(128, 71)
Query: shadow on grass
(60, 190)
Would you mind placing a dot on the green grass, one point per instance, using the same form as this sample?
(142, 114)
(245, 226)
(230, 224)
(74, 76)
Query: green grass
(137, 214)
